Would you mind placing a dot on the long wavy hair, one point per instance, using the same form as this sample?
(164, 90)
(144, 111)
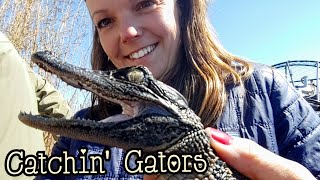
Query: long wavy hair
(202, 71)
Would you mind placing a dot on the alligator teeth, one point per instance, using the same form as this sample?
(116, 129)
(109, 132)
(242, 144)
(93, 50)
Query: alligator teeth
(142, 52)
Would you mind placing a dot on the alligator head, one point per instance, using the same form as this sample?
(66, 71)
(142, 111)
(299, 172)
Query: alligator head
(154, 117)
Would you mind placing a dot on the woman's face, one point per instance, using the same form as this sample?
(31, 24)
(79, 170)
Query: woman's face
(138, 32)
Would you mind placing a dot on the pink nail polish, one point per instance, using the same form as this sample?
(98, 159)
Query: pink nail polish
(220, 136)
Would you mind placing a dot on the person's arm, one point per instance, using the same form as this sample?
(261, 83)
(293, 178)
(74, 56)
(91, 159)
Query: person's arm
(254, 161)
(50, 100)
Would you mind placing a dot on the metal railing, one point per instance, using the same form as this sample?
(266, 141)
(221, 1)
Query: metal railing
(304, 76)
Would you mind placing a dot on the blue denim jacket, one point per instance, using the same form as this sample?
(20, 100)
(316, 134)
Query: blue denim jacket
(266, 110)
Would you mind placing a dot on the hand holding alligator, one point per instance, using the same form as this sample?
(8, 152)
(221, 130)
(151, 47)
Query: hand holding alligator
(253, 160)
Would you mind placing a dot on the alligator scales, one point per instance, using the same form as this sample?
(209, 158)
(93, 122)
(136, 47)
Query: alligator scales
(155, 116)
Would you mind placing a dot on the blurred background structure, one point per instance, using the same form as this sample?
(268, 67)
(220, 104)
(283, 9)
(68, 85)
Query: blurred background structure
(304, 76)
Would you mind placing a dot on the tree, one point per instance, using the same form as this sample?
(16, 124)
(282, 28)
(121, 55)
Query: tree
(61, 26)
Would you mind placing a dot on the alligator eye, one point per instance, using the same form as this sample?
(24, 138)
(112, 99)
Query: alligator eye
(135, 76)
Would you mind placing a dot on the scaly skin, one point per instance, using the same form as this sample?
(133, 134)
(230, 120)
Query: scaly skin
(155, 118)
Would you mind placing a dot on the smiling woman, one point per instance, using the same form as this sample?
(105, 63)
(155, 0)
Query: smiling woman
(172, 38)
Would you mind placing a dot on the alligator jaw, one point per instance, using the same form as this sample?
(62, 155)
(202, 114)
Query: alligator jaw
(147, 133)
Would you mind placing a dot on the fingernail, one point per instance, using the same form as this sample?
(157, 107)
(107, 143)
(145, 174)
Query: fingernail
(220, 136)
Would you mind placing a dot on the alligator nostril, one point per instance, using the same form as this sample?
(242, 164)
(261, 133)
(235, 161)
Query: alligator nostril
(135, 75)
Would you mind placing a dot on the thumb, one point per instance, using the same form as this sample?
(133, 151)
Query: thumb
(253, 160)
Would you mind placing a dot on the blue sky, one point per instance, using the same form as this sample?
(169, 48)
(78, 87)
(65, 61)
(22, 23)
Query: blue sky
(270, 31)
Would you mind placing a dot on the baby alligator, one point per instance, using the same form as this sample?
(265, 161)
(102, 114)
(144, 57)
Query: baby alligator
(155, 116)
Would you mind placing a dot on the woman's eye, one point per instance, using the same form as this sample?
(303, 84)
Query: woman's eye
(104, 23)
(145, 4)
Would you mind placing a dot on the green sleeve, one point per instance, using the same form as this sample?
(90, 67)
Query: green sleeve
(50, 101)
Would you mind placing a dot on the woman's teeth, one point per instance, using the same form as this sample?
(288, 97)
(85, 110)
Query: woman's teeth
(142, 52)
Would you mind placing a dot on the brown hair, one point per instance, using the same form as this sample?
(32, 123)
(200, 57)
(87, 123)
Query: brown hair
(204, 66)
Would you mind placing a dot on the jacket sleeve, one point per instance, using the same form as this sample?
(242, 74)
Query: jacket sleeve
(50, 101)
(297, 125)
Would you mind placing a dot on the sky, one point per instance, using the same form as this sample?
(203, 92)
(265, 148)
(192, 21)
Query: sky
(270, 31)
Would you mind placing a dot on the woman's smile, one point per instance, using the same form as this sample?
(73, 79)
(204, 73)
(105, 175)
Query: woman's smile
(142, 52)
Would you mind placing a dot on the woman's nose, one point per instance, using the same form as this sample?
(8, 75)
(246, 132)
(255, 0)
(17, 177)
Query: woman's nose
(129, 32)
